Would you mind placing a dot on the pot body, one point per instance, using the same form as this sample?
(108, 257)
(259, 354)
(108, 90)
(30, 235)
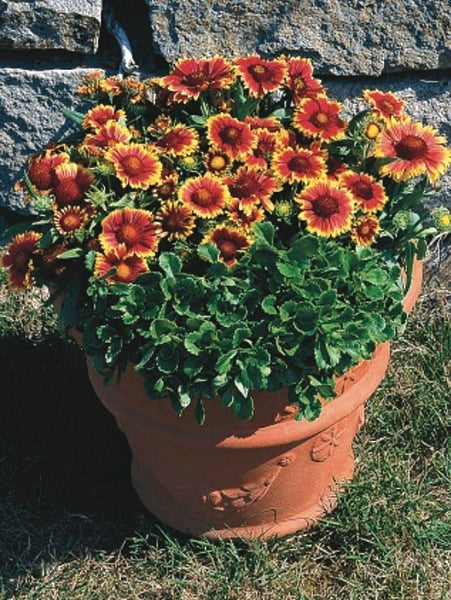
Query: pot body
(270, 476)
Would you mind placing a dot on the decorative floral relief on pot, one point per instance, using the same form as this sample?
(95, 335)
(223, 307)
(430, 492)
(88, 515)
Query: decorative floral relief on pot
(238, 498)
(328, 441)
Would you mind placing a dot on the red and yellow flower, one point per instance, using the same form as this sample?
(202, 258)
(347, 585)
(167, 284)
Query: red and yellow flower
(72, 182)
(176, 221)
(69, 219)
(217, 162)
(205, 195)
(385, 104)
(191, 77)
(326, 208)
(261, 76)
(300, 80)
(41, 169)
(100, 115)
(230, 241)
(268, 142)
(319, 117)
(231, 136)
(118, 267)
(19, 259)
(251, 186)
(135, 165)
(178, 141)
(245, 219)
(130, 231)
(105, 137)
(365, 229)
(369, 195)
(167, 187)
(415, 149)
(298, 165)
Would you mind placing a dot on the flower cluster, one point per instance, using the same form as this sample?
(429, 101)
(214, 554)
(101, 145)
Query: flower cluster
(201, 164)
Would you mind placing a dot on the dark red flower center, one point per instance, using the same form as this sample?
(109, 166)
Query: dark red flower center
(244, 187)
(196, 79)
(229, 134)
(298, 164)
(362, 189)
(132, 165)
(21, 261)
(70, 221)
(320, 119)
(227, 248)
(325, 206)
(411, 147)
(259, 73)
(165, 190)
(202, 197)
(41, 175)
(128, 234)
(173, 222)
(68, 192)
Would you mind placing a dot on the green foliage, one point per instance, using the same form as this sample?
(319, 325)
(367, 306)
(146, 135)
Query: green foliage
(287, 316)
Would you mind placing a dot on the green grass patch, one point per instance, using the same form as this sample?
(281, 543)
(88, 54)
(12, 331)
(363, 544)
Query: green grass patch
(71, 526)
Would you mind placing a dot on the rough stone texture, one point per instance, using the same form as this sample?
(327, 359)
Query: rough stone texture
(30, 118)
(343, 37)
(31, 101)
(72, 25)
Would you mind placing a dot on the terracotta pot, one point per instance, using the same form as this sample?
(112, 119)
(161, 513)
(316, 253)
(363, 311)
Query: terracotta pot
(269, 476)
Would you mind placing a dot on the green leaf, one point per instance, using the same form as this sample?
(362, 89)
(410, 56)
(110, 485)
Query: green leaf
(199, 411)
(170, 263)
(183, 397)
(243, 407)
(73, 115)
(289, 270)
(208, 252)
(268, 305)
(72, 253)
(225, 362)
(264, 233)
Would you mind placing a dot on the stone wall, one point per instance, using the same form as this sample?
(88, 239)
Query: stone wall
(47, 45)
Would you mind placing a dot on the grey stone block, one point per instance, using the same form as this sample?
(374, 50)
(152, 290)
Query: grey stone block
(30, 118)
(343, 37)
(72, 25)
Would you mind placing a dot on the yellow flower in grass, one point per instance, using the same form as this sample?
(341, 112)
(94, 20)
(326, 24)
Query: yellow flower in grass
(135, 165)
(19, 259)
(205, 196)
(326, 208)
(415, 149)
(130, 231)
(230, 241)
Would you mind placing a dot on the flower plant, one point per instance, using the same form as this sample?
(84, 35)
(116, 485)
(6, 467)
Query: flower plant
(225, 229)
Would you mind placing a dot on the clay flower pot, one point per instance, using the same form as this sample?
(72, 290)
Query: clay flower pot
(269, 476)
